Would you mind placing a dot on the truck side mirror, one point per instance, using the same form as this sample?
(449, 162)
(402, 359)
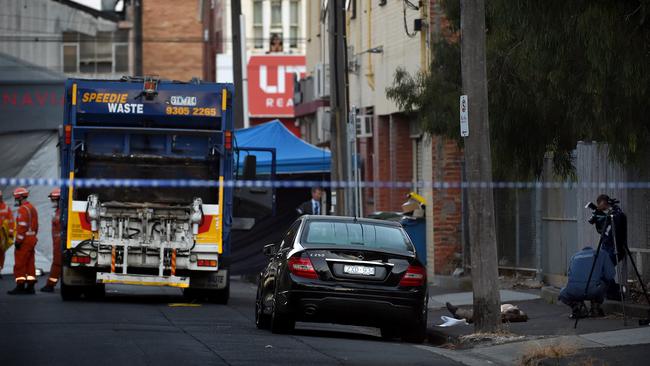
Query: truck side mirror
(250, 167)
(270, 250)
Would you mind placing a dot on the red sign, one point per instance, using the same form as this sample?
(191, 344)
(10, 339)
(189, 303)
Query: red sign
(270, 84)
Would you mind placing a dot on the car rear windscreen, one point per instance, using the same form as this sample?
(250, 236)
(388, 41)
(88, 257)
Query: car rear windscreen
(361, 234)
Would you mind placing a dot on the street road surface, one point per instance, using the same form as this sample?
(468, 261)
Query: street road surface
(151, 326)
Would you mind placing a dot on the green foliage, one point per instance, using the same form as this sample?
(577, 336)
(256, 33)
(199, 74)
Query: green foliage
(432, 96)
(559, 72)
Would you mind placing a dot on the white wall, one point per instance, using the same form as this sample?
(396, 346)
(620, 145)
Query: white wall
(386, 26)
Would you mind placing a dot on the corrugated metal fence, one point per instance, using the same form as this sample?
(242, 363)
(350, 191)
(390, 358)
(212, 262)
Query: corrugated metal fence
(540, 229)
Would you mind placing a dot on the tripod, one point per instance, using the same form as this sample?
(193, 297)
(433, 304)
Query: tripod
(619, 272)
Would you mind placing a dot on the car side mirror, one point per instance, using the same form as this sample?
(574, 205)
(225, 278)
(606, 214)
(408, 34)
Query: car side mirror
(270, 249)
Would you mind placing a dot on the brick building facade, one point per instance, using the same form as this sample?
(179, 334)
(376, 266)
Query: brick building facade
(392, 148)
(178, 39)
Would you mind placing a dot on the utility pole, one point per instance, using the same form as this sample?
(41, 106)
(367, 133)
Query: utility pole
(485, 274)
(137, 37)
(338, 100)
(237, 44)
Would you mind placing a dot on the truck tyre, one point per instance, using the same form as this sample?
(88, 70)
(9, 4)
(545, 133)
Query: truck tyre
(96, 292)
(70, 293)
(219, 296)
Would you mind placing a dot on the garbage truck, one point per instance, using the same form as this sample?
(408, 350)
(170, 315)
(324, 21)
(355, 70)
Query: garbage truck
(145, 164)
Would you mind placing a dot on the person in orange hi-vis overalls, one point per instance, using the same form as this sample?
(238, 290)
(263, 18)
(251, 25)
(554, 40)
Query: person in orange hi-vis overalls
(26, 230)
(6, 230)
(55, 270)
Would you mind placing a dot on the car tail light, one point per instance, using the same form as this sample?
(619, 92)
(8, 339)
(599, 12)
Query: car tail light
(415, 276)
(302, 267)
(206, 263)
(80, 259)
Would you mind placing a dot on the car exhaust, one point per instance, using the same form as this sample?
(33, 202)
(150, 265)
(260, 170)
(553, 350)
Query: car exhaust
(310, 309)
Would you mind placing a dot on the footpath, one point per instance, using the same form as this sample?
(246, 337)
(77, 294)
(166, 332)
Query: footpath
(547, 338)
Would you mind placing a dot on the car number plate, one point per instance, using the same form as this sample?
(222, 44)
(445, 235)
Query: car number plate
(359, 270)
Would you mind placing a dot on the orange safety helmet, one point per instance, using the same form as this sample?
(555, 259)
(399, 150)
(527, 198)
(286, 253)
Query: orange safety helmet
(55, 194)
(21, 192)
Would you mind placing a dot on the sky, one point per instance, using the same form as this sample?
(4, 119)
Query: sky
(96, 4)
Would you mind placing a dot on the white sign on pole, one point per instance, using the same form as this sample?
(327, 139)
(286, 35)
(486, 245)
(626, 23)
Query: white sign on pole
(464, 119)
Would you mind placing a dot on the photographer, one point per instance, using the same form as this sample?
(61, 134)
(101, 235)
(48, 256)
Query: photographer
(606, 210)
(574, 294)
(613, 237)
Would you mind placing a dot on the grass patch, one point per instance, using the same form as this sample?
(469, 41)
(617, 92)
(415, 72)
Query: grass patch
(550, 354)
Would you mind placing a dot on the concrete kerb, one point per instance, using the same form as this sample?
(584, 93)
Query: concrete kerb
(511, 353)
(550, 294)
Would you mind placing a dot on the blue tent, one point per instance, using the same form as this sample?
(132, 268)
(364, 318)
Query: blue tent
(293, 155)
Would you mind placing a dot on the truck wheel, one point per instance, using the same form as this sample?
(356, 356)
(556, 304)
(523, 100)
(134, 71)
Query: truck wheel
(96, 292)
(191, 294)
(219, 296)
(70, 293)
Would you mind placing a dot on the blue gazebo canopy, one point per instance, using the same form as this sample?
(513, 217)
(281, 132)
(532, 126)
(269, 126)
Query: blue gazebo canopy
(293, 155)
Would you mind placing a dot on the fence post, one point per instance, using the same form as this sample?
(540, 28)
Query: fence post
(538, 230)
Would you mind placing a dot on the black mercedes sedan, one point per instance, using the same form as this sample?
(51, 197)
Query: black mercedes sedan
(344, 270)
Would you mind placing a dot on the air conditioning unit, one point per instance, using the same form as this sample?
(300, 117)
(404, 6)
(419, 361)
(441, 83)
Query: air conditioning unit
(322, 81)
(364, 125)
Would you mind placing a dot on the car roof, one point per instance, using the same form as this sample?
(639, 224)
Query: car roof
(350, 219)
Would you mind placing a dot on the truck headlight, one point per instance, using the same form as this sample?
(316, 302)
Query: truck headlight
(196, 217)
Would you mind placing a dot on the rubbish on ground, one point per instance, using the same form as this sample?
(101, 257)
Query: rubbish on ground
(451, 322)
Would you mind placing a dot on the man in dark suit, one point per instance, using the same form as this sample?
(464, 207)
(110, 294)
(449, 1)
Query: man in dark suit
(313, 206)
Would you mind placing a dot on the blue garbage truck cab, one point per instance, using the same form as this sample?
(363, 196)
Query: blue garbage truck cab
(146, 202)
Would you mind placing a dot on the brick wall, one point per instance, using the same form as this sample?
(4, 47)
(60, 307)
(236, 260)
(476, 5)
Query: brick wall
(381, 162)
(447, 205)
(401, 159)
(172, 39)
(366, 155)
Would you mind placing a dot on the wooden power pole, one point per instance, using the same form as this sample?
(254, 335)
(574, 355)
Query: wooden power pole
(238, 101)
(485, 274)
(338, 99)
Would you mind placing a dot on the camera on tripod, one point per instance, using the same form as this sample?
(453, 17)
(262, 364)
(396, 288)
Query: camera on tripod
(598, 216)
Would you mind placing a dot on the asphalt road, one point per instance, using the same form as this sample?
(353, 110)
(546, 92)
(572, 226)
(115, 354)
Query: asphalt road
(152, 326)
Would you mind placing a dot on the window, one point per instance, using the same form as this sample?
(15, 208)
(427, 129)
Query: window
(121, 58)
(276, 13)
(102, 53)
(364, 125)
(290, 235)
(70, 57)
(353, 234)
(294, 13)
(258, 32)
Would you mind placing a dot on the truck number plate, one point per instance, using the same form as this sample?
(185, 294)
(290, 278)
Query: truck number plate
(359, 270)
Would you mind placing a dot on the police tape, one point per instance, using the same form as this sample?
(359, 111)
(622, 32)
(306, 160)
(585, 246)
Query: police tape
(265, 183)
